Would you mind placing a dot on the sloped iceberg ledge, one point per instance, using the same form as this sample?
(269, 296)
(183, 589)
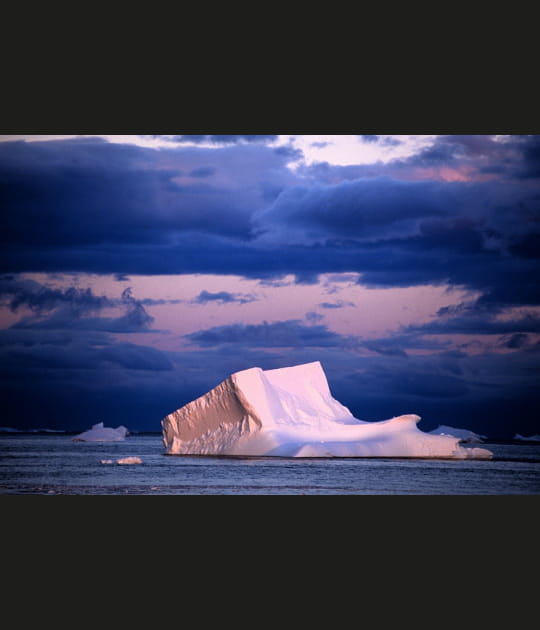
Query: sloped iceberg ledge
(290, 412)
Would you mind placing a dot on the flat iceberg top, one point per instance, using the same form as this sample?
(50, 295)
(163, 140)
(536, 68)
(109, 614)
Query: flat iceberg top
(290, 412)
(292, 396)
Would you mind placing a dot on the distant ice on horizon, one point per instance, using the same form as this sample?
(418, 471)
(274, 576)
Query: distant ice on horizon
(12, 430)
(100, 433)
(531, 438)
(463, 434)
(290, 412)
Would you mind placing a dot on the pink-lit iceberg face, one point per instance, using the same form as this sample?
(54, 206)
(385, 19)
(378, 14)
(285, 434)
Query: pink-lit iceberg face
(290, 412)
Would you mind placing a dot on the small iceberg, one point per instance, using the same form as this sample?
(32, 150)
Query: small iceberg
(100, 433)
(129, 460)
(531, 438)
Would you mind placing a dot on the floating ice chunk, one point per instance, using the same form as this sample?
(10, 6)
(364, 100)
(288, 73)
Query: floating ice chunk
(290, 412)
(129, 460)
(100, 433)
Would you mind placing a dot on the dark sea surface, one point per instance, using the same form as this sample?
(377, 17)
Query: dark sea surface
(54, 464)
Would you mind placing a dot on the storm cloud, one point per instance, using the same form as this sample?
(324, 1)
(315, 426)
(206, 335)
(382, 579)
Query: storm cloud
(225, 138)
(39, 298)
(91, 206)
(223, 297)
(69, 309)
(290, 333)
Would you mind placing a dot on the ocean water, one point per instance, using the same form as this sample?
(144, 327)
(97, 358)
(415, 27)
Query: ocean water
(54, 464)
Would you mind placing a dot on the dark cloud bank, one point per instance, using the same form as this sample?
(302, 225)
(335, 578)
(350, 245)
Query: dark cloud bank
(96, 207)
(90, 206)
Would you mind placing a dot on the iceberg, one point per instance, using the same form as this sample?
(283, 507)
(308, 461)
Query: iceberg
(122, 430)
(463, 434)
(100, 433)
(290, 412)
(531, 438)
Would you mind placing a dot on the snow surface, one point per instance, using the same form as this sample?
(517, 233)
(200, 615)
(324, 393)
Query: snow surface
(290, 412)
(100, 433)
(463, 434)
(531, 438)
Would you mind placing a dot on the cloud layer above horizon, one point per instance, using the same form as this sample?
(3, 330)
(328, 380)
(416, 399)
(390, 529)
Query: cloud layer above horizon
(274, 257)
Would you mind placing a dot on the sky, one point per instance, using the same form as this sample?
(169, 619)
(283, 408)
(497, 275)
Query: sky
(138, 272)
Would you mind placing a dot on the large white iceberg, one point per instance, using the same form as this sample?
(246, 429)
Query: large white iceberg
(290, 412)
(100, 433)
(463, 434)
